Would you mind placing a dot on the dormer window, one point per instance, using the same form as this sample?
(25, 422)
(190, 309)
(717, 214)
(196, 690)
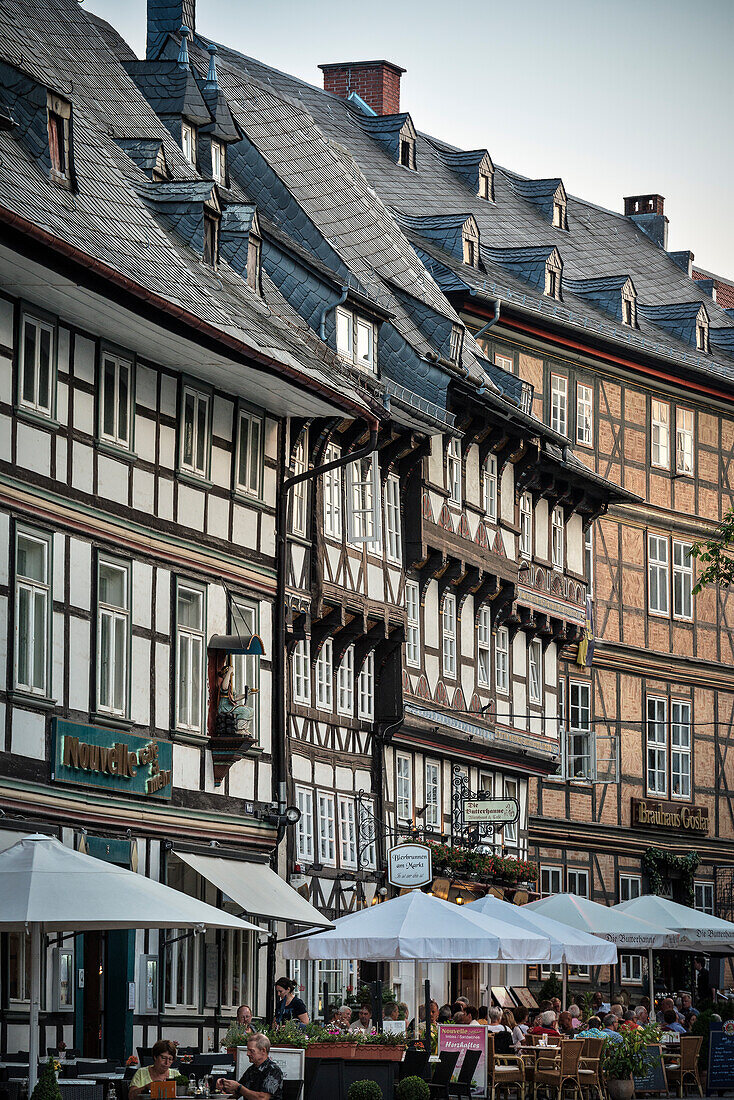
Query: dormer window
(59, 137)
(486, 185)
(551, 282)
(553, 270)
(629, 312)
(355, 339)
(470, 242)
(407, 152)
(219, 162)
(254, 263)
(470, 252)
(559, 215)
(188, 142)
(457, 334)
(211, 239)
(702, 335)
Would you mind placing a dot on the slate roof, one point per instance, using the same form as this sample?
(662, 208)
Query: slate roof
(52, 43)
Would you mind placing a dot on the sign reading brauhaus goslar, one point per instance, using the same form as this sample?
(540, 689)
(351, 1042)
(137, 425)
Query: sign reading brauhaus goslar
(111, 759)
(670, 815)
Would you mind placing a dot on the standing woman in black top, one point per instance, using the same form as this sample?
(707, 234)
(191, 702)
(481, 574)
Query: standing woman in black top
(289, 1007)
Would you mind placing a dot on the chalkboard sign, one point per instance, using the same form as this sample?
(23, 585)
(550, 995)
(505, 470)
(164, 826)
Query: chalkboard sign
(721, 1060)
(653, 1079)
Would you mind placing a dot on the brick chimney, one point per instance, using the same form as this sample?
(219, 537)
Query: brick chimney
(166, 17)
(376, 82)
(647, 212)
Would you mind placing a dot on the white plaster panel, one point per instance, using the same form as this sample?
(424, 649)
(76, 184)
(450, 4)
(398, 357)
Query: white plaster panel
(165, 498)
(242, 779)
(142, 593)
(84, 411)
(217, 517)
(6, 379)
(265, 713)
(33, 450)
(466, 628)
(507, 492)
(58, 658)
(509, 541)
(145, 430)
(244, 528)
(80, 574)
(324, 775)
(28, 734)
(541, 529)
(575, 544)
(362, 780)
(266, 623)
(190, 507)
(472, 485)
(146, 387)
(301, 769)
(271, 438)
(59, 565)
(62, 459)
(375, 582)
(84, 359)
(62, 402)
(435, 460)
(112, 479)
(6, 441)
(3, 642)
(269, 483)
(267, 534)
(62, 350)
(186, 761)
(167, 447)
(223, 418)
(140, 680)
(221, 471)
(143, 490)
(432, 669)
(344, 779)
(7, 329)
(169, 391)
(79, 645)
(83, 467)
(163, 601)
(264, 782)
(162, 708)
(216, 610)
(4, 548)
(550, 667)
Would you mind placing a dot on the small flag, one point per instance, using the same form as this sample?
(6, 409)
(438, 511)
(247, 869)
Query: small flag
(585, 654)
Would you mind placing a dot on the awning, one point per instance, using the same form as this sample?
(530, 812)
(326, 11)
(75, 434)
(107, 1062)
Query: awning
(257, 889)
(8, 839)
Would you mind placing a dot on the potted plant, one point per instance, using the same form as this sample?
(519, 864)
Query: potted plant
(625, 1059)
(364, 1090)
(290, 1034)
(236, 1036)
(412, 1088)
(47, 1086)
(330, 1042)
(381, 1046)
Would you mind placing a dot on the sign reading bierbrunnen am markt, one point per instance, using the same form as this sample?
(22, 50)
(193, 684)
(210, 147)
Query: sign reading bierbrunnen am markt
(110, 760)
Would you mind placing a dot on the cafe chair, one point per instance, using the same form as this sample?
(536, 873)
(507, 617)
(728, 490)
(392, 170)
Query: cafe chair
(590, 1068)
(684, 1066)
(439, 1083)
(462, 1086)
(19, 1056)
(414, 1064)
(504, 1072)
(560, 1069)
(292, 1090)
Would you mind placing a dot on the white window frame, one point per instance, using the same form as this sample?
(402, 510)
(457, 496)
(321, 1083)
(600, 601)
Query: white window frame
(684, 441)
(558, 531)
(118, 436)
(219, 162)
(449, 635)
(188, 142)
(183, 950)
(559, 403)
(249, 462)
(325, 677)
(584, 415)
(681, 749)
(526, 526)
(365, 339)
(589, 558)
(301, 672)
(702, 892)
(299, 492)
(190, 653)
(305, 825)
(34, 401)
(332, 492)
(37, 595)
(363, 503)
(577, 881)
(113, 681)
(630, 887)
(23, 964)
(658, 575)
(656, 742)
(506, 362)
(393, 533)
(702, 336)
(579, 736)
(551, 880)
(535, 672)
(237, 958)
(510, 831)
(484, 647)
(345, 684)
(199, 401)
(347, 832)
(660, 434)
(327, 828)
(453, 471)
(366, 688)
(345, 333)
(631, 968)
(489, 487)
(502, 660)
(403, 788)
(682, 580)
(432, 792)
(413, 630)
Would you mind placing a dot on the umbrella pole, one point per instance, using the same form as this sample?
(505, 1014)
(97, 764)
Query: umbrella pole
(33, 1038)
(651, 983)
(565, 985)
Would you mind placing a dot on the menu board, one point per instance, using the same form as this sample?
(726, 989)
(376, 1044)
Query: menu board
(523, 996)
(653, 1078)
(721, 1060)
(502, 997)
(461, 1038)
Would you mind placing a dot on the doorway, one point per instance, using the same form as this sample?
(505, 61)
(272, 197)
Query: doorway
(94, 986)
(465, 981)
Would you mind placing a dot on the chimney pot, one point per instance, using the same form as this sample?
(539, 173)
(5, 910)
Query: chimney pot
(376, 82)
(644, 204)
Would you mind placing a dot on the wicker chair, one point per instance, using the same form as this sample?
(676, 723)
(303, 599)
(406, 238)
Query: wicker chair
(590, 1067)
(504, 1071)
(679, 1067)
(560, 1069)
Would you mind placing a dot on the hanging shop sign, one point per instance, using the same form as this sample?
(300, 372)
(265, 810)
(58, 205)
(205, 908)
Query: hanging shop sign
(409, 866)
(90, 756)
(670, 815)
(490, 811)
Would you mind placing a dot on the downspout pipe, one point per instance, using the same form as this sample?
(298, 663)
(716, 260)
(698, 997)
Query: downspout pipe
(493, 321)
(326, 309)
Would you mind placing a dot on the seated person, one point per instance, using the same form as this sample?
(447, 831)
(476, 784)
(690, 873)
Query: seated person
(610, 1030)
(363, 1022)
(575, 1013)
(391, 1011)
(343, 1019)
(444, 1014)
(263, 1080)
(687, 1011)
(521, 1025)
(545, 1024)
(670, 1022)
(164, 1052)
(642, 1016)
(565, 1024)
(473, 1014)
(592, 1029)
(630, 1021)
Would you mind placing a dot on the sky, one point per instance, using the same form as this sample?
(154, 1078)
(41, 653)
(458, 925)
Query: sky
(617, 97)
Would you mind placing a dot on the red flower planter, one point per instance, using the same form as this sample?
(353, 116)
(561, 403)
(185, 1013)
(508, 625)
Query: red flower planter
(331, 1050)
(379, 1052)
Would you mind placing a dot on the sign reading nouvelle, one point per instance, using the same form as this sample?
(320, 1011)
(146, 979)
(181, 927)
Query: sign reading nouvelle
(110, 760)
(409, 866)
(490, 811)
(670, 815)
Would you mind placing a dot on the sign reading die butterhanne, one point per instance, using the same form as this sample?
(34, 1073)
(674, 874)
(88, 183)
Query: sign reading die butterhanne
(107, 759)
(409, 866)
(490, 811)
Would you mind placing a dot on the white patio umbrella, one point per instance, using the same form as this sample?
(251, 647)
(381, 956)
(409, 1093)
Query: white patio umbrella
(568, 944)
(47, 887)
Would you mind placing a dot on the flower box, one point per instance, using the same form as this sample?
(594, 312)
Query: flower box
(331, 1050)
(379, 1052)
